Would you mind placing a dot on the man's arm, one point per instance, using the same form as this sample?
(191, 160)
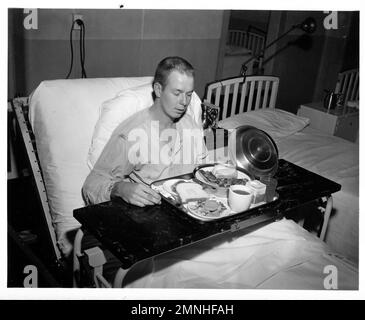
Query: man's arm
(111, 167)
(135, 193)
(107, 179)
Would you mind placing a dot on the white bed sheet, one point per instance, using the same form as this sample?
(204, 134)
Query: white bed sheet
(338, 160)
(332, 157)
(280, 255)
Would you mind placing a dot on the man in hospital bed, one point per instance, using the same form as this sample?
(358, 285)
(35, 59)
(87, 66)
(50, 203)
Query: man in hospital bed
(122, 169)
(133, 154)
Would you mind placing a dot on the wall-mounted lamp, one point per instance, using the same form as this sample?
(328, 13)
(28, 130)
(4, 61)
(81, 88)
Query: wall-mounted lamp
(308, 25)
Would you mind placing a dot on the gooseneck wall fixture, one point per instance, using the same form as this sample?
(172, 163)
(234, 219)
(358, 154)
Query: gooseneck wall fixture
(309, 25)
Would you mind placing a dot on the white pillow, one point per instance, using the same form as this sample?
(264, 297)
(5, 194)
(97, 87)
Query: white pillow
(120, 108)
(276, 122)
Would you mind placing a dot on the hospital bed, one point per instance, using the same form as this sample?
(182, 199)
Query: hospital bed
(70, 122)
(327, 155)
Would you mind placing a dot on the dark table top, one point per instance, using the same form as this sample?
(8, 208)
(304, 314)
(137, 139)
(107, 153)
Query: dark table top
(132, 233)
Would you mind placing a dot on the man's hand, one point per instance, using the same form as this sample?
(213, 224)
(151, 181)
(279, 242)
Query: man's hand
(135, 193)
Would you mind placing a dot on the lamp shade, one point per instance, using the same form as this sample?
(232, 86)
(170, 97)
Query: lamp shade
(309, 25)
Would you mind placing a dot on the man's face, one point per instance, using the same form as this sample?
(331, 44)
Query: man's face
(176, 95)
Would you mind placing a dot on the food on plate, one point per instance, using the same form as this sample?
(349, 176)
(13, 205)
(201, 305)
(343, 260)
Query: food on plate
(170, 185)
(222, 177)
(211, 205)
(226, 172)
(207, 208)
(190, 191)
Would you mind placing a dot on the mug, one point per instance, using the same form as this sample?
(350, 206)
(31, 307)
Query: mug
(239, 197)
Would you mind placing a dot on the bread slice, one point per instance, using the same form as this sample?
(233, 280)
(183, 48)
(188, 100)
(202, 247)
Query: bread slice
(190, 191)
(225, 172)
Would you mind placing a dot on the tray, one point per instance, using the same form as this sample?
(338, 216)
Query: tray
(197, 209)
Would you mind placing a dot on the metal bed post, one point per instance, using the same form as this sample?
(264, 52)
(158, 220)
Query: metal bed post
(76, 273)
(95, 261)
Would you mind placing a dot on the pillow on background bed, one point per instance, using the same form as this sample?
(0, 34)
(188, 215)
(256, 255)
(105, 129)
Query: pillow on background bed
(237, 51)
(120, 108)
(276, 122)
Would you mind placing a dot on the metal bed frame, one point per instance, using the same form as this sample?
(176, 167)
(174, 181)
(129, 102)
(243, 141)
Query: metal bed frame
(20, 108)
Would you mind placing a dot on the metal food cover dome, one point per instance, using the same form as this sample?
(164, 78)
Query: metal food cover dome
(254, 150)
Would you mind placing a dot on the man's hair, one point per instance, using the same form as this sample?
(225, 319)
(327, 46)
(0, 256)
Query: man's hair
(169, 64)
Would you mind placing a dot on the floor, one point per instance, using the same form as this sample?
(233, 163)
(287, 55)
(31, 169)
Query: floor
(28, 240)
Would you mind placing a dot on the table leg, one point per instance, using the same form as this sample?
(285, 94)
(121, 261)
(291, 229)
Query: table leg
(326, 216)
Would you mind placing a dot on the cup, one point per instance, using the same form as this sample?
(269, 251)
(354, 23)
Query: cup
(239, 197)
(258, 191)
(271, 185)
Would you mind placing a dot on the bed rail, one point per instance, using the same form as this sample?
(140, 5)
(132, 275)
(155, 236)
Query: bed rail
(20, 107)
(238, 95)
(348, 85)
(249, 40)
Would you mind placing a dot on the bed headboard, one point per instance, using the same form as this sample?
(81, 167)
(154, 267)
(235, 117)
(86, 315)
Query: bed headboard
(242, 94)
(245, 39)
(348, 85)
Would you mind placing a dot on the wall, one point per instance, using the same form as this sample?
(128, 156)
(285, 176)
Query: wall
(352, 51)
(306, 70)
(297, 64)
(242, 19)
(131, 42)
(340, 52)
(118, 43)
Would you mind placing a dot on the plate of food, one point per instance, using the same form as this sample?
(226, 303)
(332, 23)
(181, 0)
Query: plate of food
(222, 176)
(182, 191)
(208, 209)
(191, 191)
(171, 184)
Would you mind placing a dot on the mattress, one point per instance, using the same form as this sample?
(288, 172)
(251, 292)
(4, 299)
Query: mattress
(338, 160)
